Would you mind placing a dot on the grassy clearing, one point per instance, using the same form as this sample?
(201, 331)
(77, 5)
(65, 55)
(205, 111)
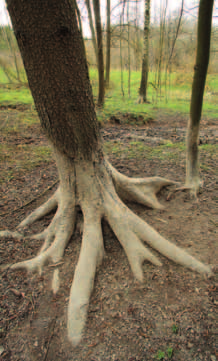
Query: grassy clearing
(175, 98)
(169, 152)
(14, 96)
(137, 149)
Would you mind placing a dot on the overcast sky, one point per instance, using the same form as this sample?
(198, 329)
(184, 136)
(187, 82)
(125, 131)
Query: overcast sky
(173, 6)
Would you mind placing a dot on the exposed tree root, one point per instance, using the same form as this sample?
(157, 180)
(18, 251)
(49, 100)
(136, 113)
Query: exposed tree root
(140, 190)
(30, 201)
(40, 212)
(97, 187)
(11, 234)
(193, 188)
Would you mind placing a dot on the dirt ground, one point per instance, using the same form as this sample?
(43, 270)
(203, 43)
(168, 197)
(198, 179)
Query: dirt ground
(171, 316)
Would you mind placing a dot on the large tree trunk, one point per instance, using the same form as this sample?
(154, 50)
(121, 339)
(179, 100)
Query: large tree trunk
(57, 74)
(91, 25)
(54, 59)
(145, 59)
(108, 48)
(101, 89)
(200, 73)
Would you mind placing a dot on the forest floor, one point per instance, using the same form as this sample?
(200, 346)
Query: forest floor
(171, 316)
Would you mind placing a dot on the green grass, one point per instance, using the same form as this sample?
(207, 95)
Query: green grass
(161, 355)
(13, 96)
(175, 328)
(177, 100)
(17, 159)
(140, 150)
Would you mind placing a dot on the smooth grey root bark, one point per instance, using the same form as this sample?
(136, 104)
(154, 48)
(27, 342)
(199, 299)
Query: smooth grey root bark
(54, 59)
(96, 187)
(200, 73)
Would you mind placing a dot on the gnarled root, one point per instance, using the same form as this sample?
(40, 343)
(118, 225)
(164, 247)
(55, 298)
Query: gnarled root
(42, 211)
(96, 187)
(140, 190)
(91, 255)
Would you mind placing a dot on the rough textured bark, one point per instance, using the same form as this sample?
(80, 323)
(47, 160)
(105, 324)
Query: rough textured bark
(87, 2)
(101, 89)
(108, 49)
(145, 59)
(54, 59)
(57, 74)
(200, 73)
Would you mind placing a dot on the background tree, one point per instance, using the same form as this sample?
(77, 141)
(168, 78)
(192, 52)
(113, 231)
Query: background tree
(176, 36)
(91, 25)
(129, 55)
(54, 58)
(101, 89)
(121, 53)
(108, 45)
(198, 85)
(145, 58)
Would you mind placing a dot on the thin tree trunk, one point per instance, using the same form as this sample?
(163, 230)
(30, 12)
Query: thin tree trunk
(200, 73)
(129, 57)
(101, 88)
(13, 51)
(137, 38)
(80, 23)
(121, 59)
(5, 70)
(91, 25)
(108, 49)
(176, 35)
(161, 47)
(145, 59)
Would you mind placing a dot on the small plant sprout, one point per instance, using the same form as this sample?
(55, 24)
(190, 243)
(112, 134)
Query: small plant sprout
(175, 328)
(160, 355)
(170, 352)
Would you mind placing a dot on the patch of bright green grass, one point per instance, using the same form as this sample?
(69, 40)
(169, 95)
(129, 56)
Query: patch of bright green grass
(175, 98)
(14, 96)
(172, 99)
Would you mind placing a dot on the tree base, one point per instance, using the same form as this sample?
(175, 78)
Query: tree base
(142, 100)
(97, 188)
(193, 187)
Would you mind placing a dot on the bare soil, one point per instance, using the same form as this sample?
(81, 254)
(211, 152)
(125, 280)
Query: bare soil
(171, 315)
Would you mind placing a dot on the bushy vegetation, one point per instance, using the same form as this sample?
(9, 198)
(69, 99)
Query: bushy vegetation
(183, 56)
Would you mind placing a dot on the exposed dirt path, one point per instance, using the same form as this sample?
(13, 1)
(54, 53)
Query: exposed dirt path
(173, 312)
